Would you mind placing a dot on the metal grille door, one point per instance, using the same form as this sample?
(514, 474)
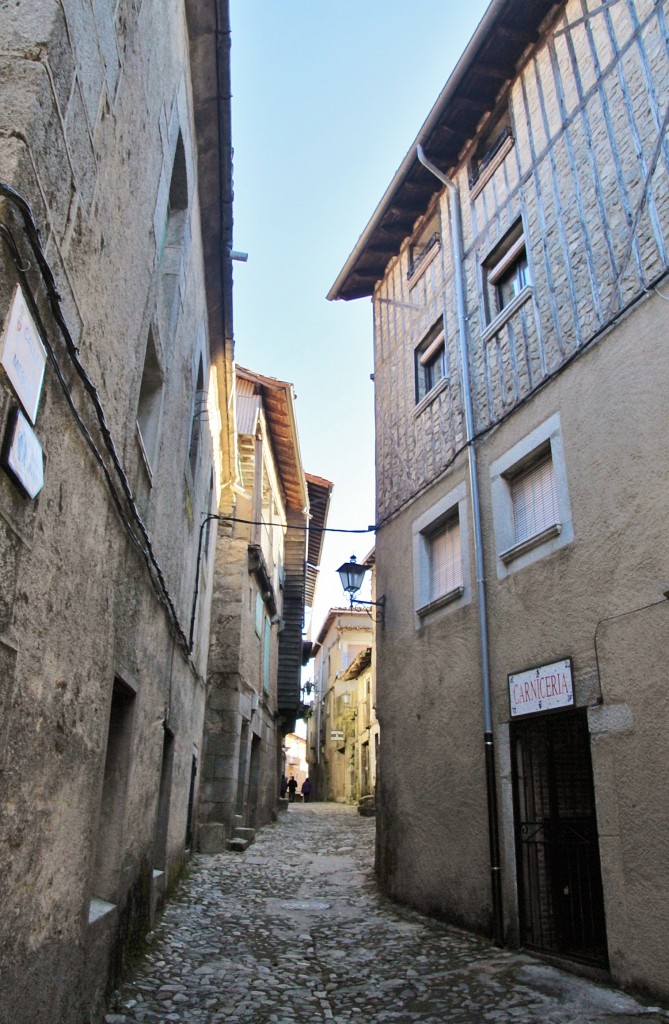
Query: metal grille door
(559, 878)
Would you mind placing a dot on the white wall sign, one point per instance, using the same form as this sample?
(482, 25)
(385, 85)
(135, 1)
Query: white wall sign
(336, 736)
(23, 354)
(541, 689)
(23, 456)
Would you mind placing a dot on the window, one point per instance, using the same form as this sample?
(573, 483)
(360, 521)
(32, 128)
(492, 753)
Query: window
(266, 656)
(506, 271)
(534, 499)
(150, 403)
(445, 560)
(494, 143)
(441, 557)
(260, 612)
(430, 359)
(199, 415)
(175, 230)
(425, 244)
(531, 509)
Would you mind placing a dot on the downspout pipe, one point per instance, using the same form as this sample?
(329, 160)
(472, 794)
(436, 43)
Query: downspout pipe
(493, 825)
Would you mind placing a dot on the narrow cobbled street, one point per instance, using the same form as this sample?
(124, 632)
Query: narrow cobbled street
(293, 931)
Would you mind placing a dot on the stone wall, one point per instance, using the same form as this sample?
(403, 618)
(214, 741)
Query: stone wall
(96, 126)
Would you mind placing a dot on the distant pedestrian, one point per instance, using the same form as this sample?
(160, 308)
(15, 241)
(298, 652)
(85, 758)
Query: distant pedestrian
(292, 786)
(306, 789)
(283, 787)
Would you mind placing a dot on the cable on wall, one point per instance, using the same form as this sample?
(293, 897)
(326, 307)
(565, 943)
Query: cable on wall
(143, 541)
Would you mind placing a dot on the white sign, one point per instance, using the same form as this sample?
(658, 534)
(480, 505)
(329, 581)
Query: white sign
(23, 456)
(337, 736)
(23, 354)
(541, 689)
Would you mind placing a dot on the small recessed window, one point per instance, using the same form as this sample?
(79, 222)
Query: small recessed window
(441, 558)
(534, 498)
(530, 499)
(506, 271)
(198, 416)
(425, 243)
(150, 403)
(430, 358)
(494, 143)
(445, 559)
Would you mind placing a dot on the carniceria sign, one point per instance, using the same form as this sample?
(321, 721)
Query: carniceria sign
(541, 689)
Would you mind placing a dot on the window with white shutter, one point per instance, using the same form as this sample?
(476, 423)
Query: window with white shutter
(535, 500)
(445, 559)
(530, 499)
(441, 571)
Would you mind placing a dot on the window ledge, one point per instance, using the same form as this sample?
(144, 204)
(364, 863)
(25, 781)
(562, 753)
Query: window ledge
(530, 542)
(419, 269)
(440, 602)
(142, 452)
(429, 398)
(496, 325)
(487, 173)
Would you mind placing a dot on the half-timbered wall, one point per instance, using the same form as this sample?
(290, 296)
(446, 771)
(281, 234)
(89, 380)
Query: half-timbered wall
(587, 173)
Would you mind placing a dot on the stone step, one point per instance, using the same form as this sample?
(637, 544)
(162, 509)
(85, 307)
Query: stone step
(237, 845)
(244, 833)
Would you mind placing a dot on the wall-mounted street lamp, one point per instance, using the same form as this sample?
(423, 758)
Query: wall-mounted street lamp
(351, 575)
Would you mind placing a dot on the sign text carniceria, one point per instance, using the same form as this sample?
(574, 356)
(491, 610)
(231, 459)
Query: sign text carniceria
(541, 689)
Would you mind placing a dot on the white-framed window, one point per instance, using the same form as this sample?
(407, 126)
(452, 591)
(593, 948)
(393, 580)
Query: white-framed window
(530, 498)
(430, 361)
(445, 559)
(534, 498)
(506, 275)
(441, 557)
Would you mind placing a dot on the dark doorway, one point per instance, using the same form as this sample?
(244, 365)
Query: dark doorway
(164, 794)
(557, 849)
(254, 776)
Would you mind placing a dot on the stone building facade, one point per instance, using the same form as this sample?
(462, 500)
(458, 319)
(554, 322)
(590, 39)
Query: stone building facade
(258, 611)
(115, 232)
(357, 719)
(332, 740)
(517, 266)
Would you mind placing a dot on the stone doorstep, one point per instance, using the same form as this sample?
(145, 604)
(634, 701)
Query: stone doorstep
(244, 833)
(237, 845)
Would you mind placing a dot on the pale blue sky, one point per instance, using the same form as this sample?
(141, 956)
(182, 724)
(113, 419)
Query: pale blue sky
(328, 95)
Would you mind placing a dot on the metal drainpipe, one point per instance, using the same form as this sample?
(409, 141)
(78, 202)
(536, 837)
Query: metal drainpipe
(493, 828)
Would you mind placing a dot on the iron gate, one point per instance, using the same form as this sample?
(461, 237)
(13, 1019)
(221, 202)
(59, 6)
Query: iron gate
(557, 849)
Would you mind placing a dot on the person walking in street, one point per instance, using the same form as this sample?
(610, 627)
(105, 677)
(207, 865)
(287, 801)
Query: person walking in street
(306, 789)
(292, 786)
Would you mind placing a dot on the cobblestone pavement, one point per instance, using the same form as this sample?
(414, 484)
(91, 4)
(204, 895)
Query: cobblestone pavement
(293, 931)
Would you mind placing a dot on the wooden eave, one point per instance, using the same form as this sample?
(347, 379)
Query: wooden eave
(277, 398)
(319, 491)
(506, 30)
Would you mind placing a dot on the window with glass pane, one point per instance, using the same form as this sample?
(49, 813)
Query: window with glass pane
(430, 362)
(535, 501)
(506, 271)
(445, 560)
(512, 281)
